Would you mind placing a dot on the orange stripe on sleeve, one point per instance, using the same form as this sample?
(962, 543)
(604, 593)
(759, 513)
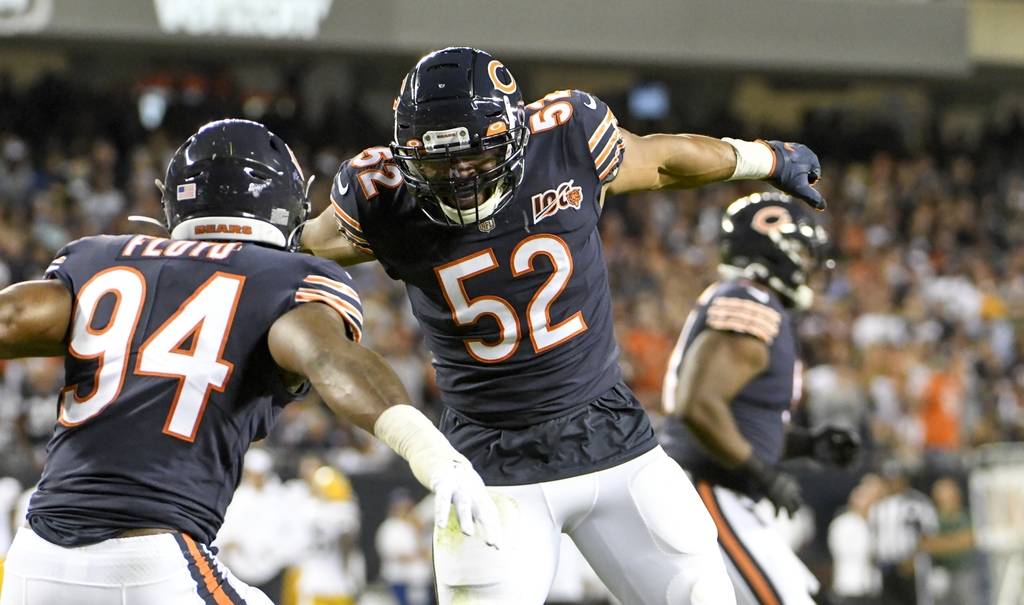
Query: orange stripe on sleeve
(763, 591)
(333, 283)
(304, 296)
(609, 118)
(613, 164)
(612, 144)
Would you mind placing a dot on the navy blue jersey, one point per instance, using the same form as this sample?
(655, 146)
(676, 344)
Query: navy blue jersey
(760, 408)
(516, 310)
(168, 379)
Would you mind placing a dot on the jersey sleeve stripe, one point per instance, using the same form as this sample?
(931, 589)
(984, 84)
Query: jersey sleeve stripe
(747, 306)
(355, 309)
(364, 248)
(57, 262)
(343, 309)
(735, 325)
(609, 119)
(744, 315)
(741, 318)
(615, 162)
(609, 146)
(346, 217)
(342, 288)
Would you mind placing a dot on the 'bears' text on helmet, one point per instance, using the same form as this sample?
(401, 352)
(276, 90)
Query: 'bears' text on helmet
(235, 180)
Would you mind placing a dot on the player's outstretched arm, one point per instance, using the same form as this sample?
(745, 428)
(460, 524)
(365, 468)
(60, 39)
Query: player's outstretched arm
(359, 386)
(321, 237)
(34, 318)
(716, 367)
(683, 161)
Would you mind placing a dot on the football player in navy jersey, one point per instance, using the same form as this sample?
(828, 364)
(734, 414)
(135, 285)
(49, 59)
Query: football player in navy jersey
(487, 209)
(178, 354)
(732, 378)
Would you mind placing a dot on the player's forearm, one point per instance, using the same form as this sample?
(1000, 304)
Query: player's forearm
(339, 250)
(321, 237)
(356, 384)
(364, 389)
(713, 426)
(33, 319)
(691, 160)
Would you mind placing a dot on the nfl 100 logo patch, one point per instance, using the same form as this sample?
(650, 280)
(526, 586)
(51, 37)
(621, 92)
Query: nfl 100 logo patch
(566, 195)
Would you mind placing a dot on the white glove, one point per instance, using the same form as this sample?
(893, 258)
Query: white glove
(442, 470)
(459, 485)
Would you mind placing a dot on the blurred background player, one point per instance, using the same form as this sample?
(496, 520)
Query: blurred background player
(855, 579)
(330, 568)
(487, 209)
(259, 557)
(179, 352)
(404, 549)
(732, 378)
(900, 521)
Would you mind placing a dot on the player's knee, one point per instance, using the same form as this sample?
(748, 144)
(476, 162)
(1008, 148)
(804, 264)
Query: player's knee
(702, 585)
(712, 589)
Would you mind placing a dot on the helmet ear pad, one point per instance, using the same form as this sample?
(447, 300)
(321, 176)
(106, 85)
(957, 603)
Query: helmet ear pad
(459, 104)
(235, 180)
(773, 240)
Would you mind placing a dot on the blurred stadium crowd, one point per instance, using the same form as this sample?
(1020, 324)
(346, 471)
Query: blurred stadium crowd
(916, 338)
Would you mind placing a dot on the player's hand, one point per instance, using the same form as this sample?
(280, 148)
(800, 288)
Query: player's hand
(460, 486)
(797, 169)
(834, 444)
(778, 486)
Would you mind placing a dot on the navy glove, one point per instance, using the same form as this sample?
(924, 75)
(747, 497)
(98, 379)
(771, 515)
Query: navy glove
(838, 445)
(830, 444)
(796, 170)
(779, 487)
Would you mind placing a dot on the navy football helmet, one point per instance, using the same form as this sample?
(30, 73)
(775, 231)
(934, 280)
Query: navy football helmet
(774, 240)
(235, 180)
(460, 135)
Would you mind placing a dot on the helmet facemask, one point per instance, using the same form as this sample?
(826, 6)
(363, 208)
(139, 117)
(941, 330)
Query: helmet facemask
(781, 255)
(460, 135)
(462, 182)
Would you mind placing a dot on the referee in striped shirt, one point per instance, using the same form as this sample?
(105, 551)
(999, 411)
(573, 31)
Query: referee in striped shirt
(898, 522)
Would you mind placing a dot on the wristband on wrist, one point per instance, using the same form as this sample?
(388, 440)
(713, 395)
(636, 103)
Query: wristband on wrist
(415, 438)
(754, 159)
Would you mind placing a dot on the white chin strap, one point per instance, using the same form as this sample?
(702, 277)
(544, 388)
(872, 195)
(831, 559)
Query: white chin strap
(802, 297)
(230, 228)
(472, 215)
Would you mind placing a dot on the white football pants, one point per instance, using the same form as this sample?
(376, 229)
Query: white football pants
(764, 569)
(640, 525)
(164, 569)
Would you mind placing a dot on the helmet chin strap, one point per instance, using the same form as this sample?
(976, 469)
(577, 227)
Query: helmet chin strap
(802, 296)
(472, 215)
(138, 218)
